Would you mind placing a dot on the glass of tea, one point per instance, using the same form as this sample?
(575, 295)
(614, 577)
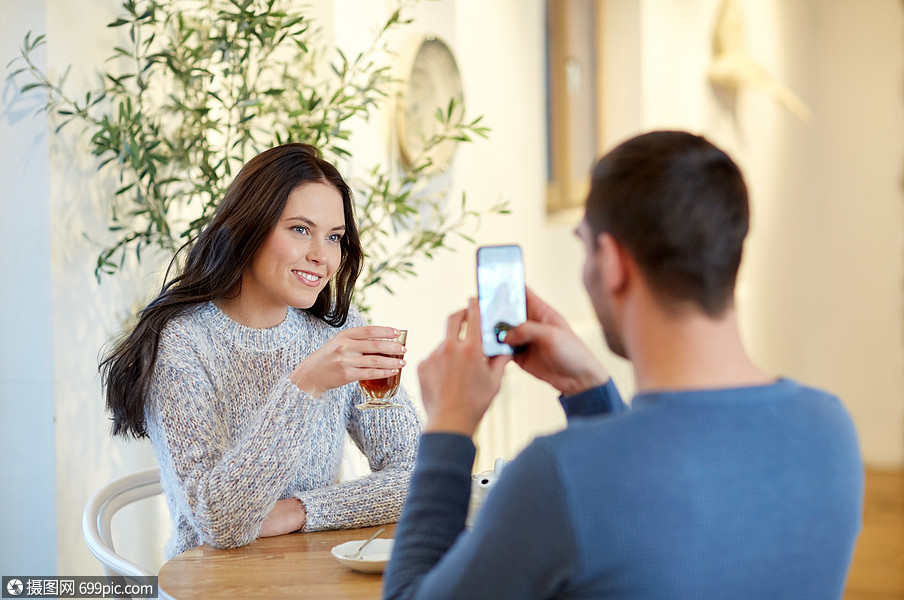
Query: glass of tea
(379, 392)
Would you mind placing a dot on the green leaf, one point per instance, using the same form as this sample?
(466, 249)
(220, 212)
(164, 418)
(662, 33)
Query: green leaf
(124, 189)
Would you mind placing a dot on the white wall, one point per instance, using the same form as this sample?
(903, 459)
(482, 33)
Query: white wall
(27, 437)
(821, 286)
(846, 216)
(821, 294)
(88, 314)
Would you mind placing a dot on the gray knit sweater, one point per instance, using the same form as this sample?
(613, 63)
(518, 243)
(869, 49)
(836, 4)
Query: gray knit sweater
(233, 435)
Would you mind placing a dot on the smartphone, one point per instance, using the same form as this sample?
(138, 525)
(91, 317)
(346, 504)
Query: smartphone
(500, 293)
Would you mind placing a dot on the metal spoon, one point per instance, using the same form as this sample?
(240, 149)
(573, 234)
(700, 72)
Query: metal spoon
(372, 538)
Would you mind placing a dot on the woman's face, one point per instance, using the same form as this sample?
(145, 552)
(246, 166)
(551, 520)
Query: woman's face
(298, 257)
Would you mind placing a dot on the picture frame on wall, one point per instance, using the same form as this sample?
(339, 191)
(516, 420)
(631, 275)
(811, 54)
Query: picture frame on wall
(573, 92)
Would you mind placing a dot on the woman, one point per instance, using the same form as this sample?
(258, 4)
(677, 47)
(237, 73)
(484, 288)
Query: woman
(242, 371)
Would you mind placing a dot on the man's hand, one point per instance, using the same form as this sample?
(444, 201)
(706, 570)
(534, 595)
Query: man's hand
(553, 352)
(458, 383)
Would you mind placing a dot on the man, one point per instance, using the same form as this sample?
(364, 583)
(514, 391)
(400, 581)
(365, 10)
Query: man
(720, 481)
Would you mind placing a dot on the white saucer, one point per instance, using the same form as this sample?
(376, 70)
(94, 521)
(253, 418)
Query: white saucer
(373, 558)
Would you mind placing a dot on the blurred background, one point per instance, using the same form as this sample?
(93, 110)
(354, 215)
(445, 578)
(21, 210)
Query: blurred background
(821, 291)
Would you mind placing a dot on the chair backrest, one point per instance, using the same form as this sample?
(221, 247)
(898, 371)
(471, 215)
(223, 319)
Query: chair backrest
(98, 516)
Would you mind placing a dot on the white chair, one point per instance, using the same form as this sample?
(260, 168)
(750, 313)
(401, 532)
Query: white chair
(98, 516)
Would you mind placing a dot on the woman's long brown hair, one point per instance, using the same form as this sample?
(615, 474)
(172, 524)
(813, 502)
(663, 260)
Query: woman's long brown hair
(216, 259)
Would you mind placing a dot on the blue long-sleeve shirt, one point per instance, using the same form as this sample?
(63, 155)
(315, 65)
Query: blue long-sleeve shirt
(738, 493)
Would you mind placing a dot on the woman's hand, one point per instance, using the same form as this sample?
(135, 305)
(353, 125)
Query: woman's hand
(351, 355)
(287, 516)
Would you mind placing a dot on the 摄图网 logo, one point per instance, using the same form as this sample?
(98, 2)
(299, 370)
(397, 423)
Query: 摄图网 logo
(14, 587)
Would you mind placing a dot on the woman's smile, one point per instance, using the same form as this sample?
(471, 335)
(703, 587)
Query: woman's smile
(308, 278)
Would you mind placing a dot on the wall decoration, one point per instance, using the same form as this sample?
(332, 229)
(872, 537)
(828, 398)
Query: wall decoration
(433, 86)
(733, 69)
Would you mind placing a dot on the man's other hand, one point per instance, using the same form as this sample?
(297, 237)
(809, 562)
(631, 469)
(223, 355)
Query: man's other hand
(553, 352)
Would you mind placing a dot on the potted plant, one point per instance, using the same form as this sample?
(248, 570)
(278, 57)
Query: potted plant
(202, 86)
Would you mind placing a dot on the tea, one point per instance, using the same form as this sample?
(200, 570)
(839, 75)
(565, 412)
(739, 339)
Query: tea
(382, 388)
(380, 391)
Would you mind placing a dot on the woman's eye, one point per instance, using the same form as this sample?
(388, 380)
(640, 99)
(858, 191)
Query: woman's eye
(300, 229)
(335, 238)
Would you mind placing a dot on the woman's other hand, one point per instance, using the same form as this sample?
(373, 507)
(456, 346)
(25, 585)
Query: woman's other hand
(287, 516)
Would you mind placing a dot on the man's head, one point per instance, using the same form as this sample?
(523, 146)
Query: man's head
(677, 205)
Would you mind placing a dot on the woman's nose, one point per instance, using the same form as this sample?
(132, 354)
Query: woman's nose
(315, 252)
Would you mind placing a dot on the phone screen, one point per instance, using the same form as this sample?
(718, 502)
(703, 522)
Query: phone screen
(500, 292)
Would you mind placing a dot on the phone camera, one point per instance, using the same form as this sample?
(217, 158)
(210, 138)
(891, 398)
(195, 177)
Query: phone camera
(501, 329)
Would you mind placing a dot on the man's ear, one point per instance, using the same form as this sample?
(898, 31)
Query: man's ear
(612, 259)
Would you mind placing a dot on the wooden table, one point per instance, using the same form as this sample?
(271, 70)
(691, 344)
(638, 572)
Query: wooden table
(297, 565)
